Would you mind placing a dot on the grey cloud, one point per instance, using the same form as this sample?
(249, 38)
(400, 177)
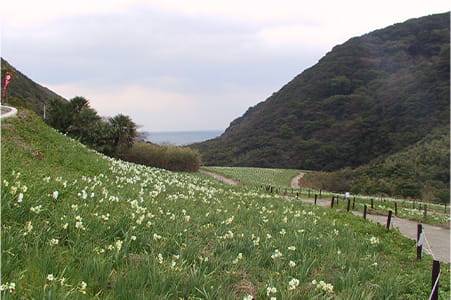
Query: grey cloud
(145, 43)
(211, 59)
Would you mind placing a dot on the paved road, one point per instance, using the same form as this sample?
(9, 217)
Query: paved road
(7, 111)
(437, 241)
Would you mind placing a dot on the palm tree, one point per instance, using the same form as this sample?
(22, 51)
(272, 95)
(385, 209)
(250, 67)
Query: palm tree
(124, 131)
(59, 115)
(78, 104)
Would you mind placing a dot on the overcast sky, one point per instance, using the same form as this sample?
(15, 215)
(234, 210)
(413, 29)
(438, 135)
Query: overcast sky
(179, 65)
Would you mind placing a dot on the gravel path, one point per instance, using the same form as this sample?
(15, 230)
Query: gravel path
(295, 181)
(220, 177)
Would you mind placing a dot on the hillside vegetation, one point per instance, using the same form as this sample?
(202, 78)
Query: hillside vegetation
(173, 158)
(24, 92)
(76, 118)
(80, 225)
(421, 171)
(370, 97)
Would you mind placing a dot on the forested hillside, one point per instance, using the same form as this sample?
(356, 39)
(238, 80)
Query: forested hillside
(420, 171)
(24, 92)
(370, 97)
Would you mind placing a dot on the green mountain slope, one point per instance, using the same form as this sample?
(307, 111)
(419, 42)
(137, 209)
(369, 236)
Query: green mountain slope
(419, 171)
(369, 97)
(79, 225)
(24, 92)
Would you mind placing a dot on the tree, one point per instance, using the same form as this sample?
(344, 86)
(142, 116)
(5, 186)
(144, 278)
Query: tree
(59, 115)
(78, 103)
(123, 132)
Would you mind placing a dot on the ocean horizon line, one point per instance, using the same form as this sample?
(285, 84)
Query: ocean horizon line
(181, 138)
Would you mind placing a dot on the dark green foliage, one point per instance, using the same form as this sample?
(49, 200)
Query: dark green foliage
(166, 157)
(58, 115)
(421, 171)
(369, 97)
(78, 120)
(123, 129)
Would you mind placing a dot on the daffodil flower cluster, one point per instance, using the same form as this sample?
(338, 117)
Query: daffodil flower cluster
(323, 286)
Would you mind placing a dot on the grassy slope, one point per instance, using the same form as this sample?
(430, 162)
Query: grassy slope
(132, 232)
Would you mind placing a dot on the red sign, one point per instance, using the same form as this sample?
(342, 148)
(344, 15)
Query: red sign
(7, 80)
(8, 77)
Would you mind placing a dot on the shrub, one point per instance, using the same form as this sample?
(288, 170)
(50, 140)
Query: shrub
(166, 157)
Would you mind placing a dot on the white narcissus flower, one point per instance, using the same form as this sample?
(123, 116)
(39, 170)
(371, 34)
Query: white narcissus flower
(293, 284)
(270, 290)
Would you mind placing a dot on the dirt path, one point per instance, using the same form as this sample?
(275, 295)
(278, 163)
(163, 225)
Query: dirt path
(220, 177)
(437, 242)
(295, 181)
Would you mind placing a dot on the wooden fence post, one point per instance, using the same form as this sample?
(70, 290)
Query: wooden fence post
(365, 208)
(349, 204)
(435, 279)
(425, 210)
(420, 239)
(389, 219)
(332, 202)
(396, 209)
(372, 203)
(353, 203)
(316, 197)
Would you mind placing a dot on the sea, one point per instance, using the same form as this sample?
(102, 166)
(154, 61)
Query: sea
(180, 138)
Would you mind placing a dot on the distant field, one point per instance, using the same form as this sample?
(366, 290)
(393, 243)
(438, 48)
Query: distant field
(258, 176)
(79, 225)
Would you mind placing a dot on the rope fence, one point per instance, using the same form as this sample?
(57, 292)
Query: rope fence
(422, 240)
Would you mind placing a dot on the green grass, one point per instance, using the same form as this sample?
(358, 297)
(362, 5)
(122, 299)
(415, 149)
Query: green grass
(79, 225)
